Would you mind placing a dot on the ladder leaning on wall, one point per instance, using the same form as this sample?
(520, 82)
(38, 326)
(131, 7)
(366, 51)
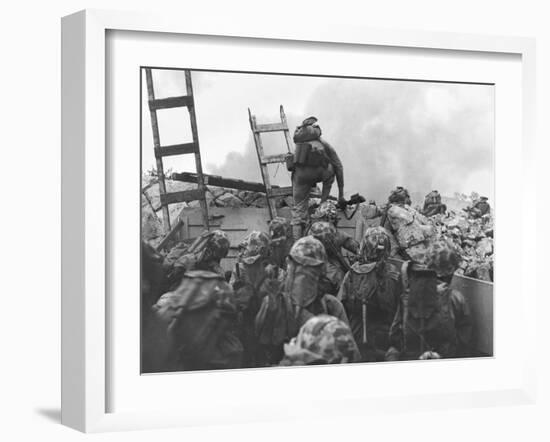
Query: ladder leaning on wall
(257, 129)
(177, 149)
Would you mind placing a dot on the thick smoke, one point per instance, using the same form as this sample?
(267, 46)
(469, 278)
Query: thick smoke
(422, 136)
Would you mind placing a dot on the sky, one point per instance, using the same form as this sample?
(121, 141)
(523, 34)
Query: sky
(420, 135)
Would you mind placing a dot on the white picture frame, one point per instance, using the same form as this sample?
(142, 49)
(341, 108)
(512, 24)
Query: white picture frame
(85, 199)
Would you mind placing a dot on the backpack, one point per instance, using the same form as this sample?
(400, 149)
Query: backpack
(200, 317)
(307, 131)
(407, 227)
(427, 319)
(275, 321)
(311, 154)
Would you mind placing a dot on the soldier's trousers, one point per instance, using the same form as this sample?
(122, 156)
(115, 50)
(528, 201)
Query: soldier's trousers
(301, 188)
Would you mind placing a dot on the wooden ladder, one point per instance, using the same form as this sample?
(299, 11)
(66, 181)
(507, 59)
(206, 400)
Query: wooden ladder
(257, 129)
(177, 149)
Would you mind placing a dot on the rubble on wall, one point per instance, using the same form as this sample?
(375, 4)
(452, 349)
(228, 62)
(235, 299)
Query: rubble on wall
(473, 237)
(151, 214)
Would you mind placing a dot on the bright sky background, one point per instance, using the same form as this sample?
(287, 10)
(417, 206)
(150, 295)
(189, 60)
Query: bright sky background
(387, 133)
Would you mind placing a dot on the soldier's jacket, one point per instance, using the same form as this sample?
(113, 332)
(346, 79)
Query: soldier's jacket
(199, 318)
(379, 288)
(433, 209)
(334, 274)
(445, 327)
(279, 317)
(249, 296)
(410, 229)
(188, 262)
(322, 305)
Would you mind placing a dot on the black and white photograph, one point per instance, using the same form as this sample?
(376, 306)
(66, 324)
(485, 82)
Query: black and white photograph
(293, 220)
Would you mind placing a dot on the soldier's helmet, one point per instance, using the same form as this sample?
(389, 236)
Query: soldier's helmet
(210, 245)
(218, 244)
(309, 121)
(399, 195)
(324, 232)
(322, 339)
(375, 244)
(483, 198)
(254, 247)
(326, 212)
(198, 289)
(280, 227)
(308, 251)
(443, 258)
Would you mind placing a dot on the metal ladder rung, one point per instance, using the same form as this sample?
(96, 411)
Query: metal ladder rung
(175, 149)
(274, 127)
(171, 102)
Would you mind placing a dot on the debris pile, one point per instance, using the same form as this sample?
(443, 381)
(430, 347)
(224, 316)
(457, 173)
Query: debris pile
(151, 213)
(474, 239)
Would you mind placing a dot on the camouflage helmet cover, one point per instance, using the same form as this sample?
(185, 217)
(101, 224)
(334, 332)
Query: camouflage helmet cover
(443, 258)
(211, 245)
(308, 251)
(323, 231)
(254, 247)
(326, 212)
(219, 242)
(197, 289)
(322, 339)
(375, 244)
(280, 227)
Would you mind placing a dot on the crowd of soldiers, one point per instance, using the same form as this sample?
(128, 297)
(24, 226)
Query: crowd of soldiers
(317, 296)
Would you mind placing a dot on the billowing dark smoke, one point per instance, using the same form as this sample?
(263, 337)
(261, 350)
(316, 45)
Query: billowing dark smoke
(422, 136)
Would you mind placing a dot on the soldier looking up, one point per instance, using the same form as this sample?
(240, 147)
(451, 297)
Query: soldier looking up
(315, 161)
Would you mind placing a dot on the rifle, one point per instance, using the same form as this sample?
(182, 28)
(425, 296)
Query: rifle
(338, 254)
(354, 200)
